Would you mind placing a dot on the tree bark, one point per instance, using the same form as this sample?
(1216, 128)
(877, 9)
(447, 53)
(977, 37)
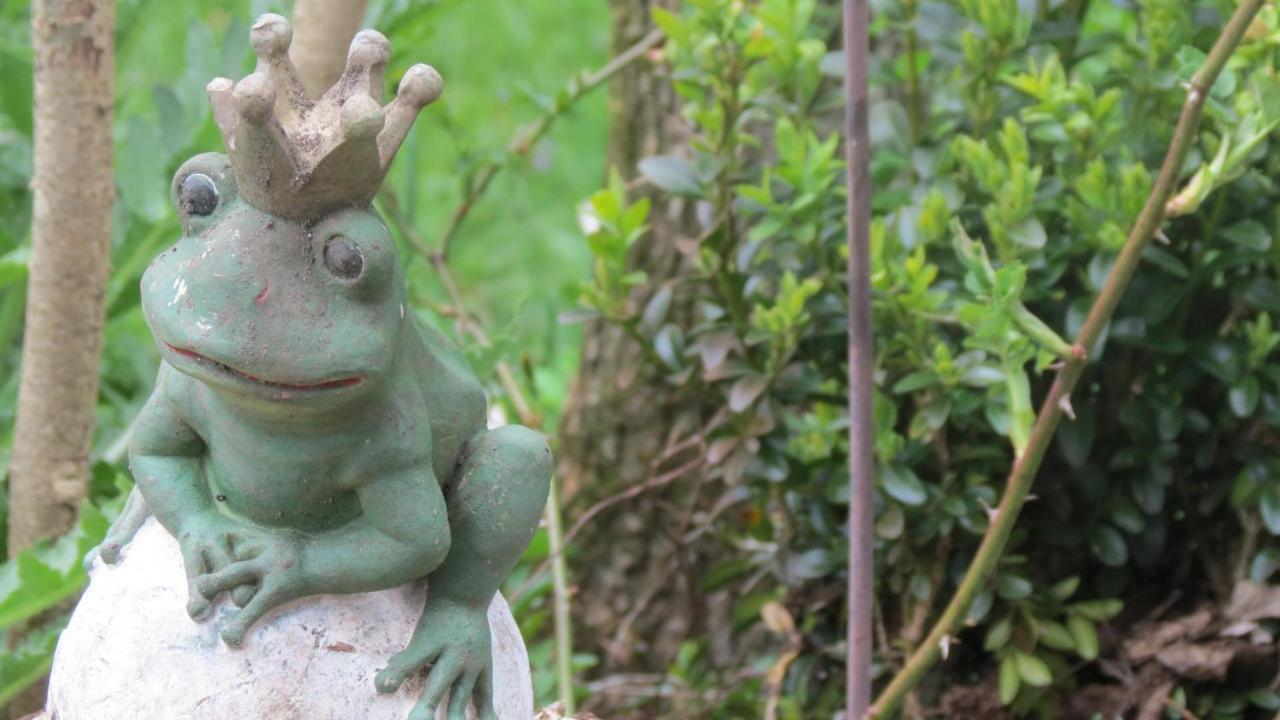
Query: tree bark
(74, 191)
(610, 431)
(322, 31)
(622, 416)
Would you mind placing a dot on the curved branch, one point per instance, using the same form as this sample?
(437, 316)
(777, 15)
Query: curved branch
(1058, 401)
(527, 138)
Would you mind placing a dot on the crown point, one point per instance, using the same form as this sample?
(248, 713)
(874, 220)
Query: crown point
(301, 158)
(255, 97)
(421, 86)
(361, 117)
(369, 47)
(271, 35)
(221, 92)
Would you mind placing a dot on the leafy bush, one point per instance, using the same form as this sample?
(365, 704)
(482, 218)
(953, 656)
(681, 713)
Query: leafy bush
(1013, 147)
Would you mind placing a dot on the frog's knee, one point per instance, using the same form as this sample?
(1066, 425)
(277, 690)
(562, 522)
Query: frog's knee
(515, 453)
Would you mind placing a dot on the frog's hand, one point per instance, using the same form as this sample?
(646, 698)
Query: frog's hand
(454, 641)
(131, 519)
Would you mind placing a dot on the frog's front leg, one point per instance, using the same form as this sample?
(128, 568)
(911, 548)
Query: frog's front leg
(166, 460)
(495, 502)
(132, 516)
(402, 535)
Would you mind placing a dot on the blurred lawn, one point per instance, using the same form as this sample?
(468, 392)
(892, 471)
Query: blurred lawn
(519, 257)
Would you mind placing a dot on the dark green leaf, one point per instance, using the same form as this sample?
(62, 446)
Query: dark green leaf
(1055, 635)
(1064, 589)
(746, 390)
(1014, 587)
(1270, 507)
(1099, 610)
(901, 483)
(1249, 234)
(1033, 670)
(669, 345)
(22, 666)
(1010, 679)
(914, 381)
(42, 576)
(998, 634)
(1108, 545)
(1244, 395)
(672, 173)
(1085, 636)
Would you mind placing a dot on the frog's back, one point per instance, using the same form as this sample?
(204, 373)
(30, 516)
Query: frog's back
(455, 399)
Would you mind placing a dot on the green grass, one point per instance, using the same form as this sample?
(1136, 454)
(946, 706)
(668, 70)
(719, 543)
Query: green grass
(520, 256)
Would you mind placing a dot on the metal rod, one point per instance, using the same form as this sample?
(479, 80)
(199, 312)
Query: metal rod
(861, 362)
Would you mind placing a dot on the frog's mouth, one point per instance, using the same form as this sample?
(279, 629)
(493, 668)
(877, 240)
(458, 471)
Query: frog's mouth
(228, 370)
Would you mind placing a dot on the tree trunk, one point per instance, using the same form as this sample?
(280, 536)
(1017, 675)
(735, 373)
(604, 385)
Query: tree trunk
(71, 236)
(622, 417)
(322, 31)
(74, 192)
(609, 431)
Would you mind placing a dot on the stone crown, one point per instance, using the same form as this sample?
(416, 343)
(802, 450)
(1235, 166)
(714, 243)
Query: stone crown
(301, 158)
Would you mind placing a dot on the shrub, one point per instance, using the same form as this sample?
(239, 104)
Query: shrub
(1014, 145)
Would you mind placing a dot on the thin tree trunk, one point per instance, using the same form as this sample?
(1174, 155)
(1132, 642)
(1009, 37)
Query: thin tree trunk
(611, 431)
(621, 414)
(74, 192)
(322, 30)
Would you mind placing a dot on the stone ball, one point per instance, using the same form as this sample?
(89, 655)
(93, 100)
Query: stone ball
(131, 651)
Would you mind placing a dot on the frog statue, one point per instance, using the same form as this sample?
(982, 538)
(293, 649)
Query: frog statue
(308, 435)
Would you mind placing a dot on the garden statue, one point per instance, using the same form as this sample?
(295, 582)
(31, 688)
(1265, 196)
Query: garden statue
(308, 437)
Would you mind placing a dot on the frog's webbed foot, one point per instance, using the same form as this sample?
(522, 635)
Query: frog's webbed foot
(454, 641)
(132, 517)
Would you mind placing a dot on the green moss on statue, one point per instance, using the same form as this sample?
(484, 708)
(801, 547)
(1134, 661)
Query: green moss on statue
(307, 435)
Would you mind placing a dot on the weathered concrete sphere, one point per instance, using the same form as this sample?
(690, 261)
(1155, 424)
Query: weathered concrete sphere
(131, 652)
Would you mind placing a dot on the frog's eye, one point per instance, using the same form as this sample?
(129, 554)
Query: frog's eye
(198, 195)
(343, 259)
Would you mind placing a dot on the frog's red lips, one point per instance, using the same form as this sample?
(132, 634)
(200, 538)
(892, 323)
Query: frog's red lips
(329, 385)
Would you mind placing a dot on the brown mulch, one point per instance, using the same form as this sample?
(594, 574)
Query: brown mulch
(1151, 657)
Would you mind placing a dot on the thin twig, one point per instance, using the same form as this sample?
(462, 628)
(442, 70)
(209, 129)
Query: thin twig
(629, 494)
(1024, 469)
(861, 640)
(467, 323)
(560, 606)
(527, 138)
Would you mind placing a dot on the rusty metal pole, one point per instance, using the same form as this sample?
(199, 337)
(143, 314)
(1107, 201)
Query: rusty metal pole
(861, 360)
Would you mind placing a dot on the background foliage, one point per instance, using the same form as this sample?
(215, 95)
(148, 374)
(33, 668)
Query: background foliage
(1014, 145)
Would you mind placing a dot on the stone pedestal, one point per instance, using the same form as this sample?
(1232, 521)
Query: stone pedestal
(132, 653)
